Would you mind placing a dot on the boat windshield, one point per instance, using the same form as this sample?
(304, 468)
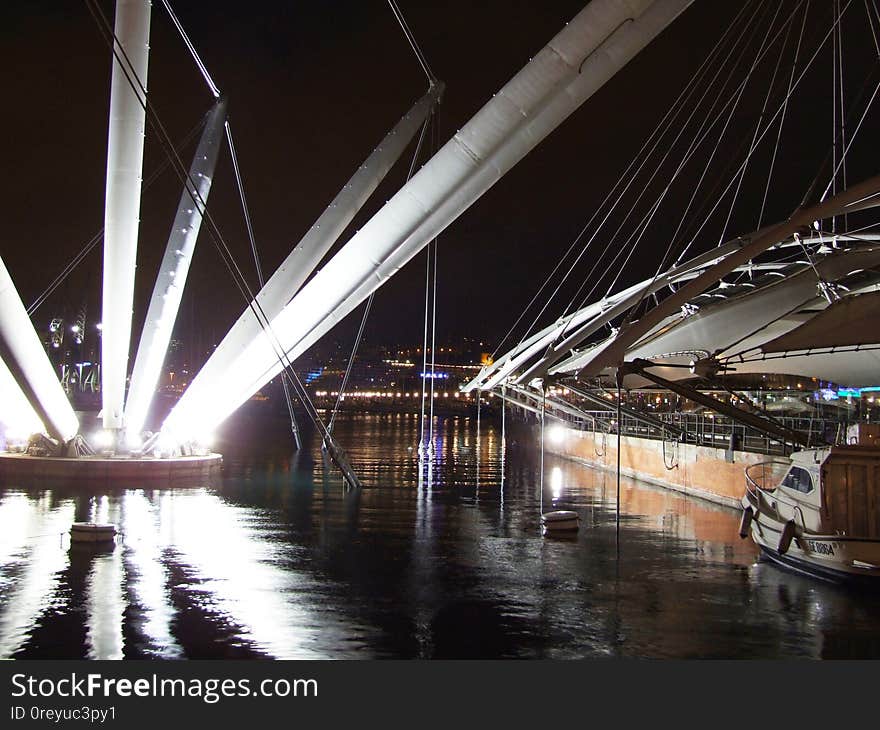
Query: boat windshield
(799, 480)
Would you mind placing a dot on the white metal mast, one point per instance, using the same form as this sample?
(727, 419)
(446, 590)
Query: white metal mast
(23, 353)
(125, 153)
(168, 289)
(601, 39)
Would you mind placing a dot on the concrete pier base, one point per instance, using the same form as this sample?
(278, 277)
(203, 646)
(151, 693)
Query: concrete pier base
(700, 471)
(23, 470)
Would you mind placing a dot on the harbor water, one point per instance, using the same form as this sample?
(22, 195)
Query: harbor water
(276, 558)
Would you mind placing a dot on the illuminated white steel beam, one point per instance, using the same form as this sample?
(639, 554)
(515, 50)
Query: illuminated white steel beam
(168, 289)
(125, 154)
(23, 353)
(17, 418)
(307, 254)
(591, 48)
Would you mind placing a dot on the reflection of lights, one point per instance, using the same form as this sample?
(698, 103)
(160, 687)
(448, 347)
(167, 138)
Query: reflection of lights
(37, 564)
(556, 482)
(102, 438)
(237, 563)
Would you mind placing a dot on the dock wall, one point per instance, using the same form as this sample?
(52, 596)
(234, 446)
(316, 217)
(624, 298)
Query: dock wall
(710, 473)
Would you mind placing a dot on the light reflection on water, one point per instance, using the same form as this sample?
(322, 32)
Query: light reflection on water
(278, 559)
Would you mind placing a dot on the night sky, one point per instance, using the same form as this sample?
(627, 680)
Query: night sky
(312, 88)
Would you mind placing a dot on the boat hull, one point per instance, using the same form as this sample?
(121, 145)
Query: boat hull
(836, 558)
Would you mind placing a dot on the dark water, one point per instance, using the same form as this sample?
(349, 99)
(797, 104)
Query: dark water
(276, 559)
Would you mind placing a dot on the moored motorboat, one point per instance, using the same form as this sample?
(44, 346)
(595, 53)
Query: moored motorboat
(560, 521)
(92, 532)
(818, 512)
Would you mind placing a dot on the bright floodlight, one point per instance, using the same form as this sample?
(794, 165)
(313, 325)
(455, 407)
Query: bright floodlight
(556, 434)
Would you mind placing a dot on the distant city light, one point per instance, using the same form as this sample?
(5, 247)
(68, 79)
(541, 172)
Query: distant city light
(434, 376)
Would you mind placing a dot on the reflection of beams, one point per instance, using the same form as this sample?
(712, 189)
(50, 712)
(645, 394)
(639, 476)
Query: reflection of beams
(105, 606)
(41, 561)
(147, 573)
(238, 564)
(750, 419)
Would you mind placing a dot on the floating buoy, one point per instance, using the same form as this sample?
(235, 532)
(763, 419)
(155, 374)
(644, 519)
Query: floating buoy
(746, 522)
(786, 537)
(560, 521)
(92, 532)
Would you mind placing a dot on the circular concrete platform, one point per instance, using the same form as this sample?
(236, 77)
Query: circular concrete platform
(123, 471)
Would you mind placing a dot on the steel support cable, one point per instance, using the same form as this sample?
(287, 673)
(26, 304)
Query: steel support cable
(360, 333)
(694, 81)
(854, 233)
(703, 131)
(842, 114)
(794, 61)
(871, 26)
(420, 57)
(842, 110)
(435, 244)
(823, 285)
(659, 131)
(632, 245)
(404, 26)
(700, 135)
(198, 61)
(345, 377)
(730, 106)
(425, 351)
(285, 378)
(96, 239)
(220, 243)
(226, 254)
(720, 196)
(852, 139)
(686, 159)
(835, 36)
(754, 145)
(770, 123)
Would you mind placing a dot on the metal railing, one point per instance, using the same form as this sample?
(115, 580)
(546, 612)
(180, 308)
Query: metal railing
(712, 430)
